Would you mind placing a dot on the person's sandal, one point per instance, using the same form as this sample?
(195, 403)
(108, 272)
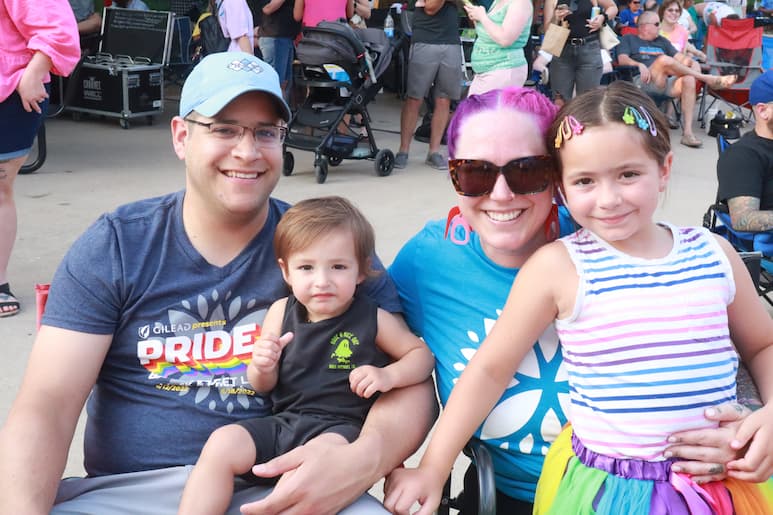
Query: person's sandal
(9, 305)
(689, 140)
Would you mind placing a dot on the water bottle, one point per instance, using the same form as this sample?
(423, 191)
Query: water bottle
(595, 11)
(389, 26)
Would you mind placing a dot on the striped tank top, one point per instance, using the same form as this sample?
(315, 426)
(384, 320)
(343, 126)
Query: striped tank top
(647, 348)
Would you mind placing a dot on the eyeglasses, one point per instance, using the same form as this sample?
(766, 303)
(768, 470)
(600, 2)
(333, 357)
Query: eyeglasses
(673, 10)
(267, 135)
(655, 23)
(524, 176)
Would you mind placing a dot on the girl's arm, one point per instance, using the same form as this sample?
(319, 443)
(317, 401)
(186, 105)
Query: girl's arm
(518, 15)
(532, 305)
(263, 370)
(349, 9)
(413, 360)
(751, 329)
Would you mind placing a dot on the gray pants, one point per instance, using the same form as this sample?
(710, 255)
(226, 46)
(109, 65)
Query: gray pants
(579, 67)
(158, 492)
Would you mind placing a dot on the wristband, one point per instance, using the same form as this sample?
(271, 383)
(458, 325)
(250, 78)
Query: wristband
(606, 16)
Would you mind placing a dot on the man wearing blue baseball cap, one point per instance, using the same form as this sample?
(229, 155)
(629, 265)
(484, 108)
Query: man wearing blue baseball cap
(745, 170)
(152, 315)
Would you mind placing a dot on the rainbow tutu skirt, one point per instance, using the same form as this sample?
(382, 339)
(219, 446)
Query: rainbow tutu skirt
(576, 480)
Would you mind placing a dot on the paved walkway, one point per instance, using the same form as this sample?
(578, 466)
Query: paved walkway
(93, 166)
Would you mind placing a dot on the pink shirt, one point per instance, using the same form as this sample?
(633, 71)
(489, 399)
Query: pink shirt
(315, 11)
(678, 37)
(47, 26)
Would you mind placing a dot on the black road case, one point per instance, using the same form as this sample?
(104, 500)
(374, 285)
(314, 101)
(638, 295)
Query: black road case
(125, 79)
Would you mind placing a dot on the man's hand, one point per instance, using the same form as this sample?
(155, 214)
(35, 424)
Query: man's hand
(367, 380)
(644, 73)
(323, 476)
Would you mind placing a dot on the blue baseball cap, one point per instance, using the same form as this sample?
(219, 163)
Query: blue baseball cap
(220, 78)
(761, 91)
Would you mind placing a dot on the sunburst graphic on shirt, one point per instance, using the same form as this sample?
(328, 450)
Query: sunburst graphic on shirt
(218, 384)
(537, 395)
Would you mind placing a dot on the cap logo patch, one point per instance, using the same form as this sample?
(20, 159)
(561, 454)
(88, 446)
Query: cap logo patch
(245, 65)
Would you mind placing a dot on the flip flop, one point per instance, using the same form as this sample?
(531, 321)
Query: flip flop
(9, 305)
(723, 81)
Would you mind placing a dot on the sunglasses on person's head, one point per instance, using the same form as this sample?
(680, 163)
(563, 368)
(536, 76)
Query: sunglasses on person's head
(524, 176)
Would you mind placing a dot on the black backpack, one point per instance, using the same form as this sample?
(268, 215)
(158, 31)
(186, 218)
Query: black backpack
(212, 39)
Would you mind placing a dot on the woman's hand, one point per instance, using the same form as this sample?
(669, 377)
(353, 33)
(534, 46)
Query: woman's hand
(596, 23)
(714, 454)
(31, 89)
(475, 12)
(561, 12)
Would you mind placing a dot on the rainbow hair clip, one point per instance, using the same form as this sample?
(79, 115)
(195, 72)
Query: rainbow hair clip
(641, 118)
(569, 127)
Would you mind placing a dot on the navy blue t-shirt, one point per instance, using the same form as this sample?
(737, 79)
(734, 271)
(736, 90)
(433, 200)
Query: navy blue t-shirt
(182, 332)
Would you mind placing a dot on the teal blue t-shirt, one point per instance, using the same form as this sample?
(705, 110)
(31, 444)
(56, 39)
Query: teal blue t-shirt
(452, 294)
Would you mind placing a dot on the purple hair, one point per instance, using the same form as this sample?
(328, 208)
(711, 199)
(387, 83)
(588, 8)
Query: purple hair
(525, 100)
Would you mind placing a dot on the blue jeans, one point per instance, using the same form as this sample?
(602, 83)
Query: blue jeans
(278, 52)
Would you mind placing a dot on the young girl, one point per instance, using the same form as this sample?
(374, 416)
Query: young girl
(333, 356)
(645, 312)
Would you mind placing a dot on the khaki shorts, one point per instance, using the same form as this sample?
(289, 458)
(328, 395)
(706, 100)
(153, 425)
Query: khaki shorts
(440, 65)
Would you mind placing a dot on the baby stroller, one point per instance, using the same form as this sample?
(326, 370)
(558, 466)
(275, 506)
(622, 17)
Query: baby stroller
(340, 67)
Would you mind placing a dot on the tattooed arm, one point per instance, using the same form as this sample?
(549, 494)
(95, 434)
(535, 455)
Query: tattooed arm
(746, 215)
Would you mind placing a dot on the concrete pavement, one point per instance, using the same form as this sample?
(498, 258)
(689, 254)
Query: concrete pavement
(93, 166)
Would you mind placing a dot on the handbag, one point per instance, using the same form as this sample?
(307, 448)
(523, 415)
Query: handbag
(212, 38)
(607, 38)
(555, 38)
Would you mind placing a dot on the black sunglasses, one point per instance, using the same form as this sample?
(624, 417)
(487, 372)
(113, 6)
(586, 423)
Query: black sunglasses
(524, 176)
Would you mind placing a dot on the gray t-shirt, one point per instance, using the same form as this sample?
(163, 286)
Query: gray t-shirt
(182, 332)
(643, 51)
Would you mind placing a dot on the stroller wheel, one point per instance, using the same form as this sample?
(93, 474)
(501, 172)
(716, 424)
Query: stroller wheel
(320, 169)
(335, 160)
(384, 162)
(289, 163)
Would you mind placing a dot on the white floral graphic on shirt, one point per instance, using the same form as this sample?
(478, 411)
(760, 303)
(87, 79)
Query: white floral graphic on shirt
(537, 396)
(217, 387)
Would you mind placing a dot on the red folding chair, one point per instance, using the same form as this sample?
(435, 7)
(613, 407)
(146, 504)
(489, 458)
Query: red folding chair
(735, 48)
